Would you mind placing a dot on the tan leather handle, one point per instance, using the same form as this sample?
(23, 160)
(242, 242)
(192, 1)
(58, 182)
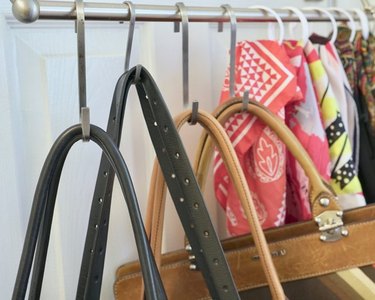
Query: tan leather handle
(155, 211)
(319, 189)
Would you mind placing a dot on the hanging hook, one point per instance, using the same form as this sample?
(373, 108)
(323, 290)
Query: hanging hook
(351, 21)
(303, 20)
(277, 17)
(245, 101)
(26, 11)
(84, 111)
(365, 26)
(181, 9)
(233, 33)
(194, 113)
(130, 33)
(330, 16)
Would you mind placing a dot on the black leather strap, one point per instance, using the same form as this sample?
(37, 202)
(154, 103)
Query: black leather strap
(42, 213)
(181, 184)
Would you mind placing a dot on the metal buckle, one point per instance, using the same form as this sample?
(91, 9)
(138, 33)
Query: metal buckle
(331, 225)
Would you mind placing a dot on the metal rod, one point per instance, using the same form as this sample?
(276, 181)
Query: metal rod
(64, 10)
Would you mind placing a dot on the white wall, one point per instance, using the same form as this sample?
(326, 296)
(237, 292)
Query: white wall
(38, 100)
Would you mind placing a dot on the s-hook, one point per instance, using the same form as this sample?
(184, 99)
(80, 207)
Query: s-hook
(130, 33)
(233, 37)
(321, 10)
(352, 26)
(26, 11)
(84, 111)
(194, 113)
(185, 49)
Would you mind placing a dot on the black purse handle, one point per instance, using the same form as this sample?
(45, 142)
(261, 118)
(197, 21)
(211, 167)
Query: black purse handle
(181, 183)
(42, 213)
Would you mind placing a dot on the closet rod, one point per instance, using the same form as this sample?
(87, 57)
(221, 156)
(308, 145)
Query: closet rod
(64, 10)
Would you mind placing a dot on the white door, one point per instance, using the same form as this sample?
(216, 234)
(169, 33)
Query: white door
(38, 100)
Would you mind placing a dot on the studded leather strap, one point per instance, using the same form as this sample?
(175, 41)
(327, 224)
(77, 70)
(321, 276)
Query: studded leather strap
(40, 220)
(181, 184)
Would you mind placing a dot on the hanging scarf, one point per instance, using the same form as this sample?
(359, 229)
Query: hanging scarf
(304, 120)
(344, 179)
(365, 65)
(352, 60)
(342, 92)
(263, 69)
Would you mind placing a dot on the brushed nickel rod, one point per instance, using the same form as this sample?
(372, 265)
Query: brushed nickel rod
(32, 10)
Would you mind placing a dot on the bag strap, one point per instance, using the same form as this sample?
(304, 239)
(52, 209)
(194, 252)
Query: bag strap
(325, 210)
(216, 134)
(319, 189)
(181, 183)
(43, 207)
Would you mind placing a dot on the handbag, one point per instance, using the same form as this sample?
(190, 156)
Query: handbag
(329, 257)
(35, 247)
(181, 184)
(155, 216)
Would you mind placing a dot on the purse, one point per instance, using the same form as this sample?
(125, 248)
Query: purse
(40, 221)
(181, 184)
(155, 216)
(329, 257)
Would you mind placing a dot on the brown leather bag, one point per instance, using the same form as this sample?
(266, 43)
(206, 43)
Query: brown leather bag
(325, 252)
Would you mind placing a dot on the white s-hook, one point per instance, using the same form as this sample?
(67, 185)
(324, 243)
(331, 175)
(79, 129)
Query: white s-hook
(330, 16)
(350, 18)
(277, 17)
(365, 25)
(303, 21)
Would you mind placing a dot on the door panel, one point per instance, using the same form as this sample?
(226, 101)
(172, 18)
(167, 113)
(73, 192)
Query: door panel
(39, 99)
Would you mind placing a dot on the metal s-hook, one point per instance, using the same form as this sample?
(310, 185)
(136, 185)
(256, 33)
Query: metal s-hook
(245, 101)
(194, 113)
(233, 37)
(181, 9)
(26, 11)
(130, 34)
(84, 111)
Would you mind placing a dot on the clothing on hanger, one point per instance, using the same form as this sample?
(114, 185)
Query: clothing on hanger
(264, 70)
(365, 67)
(344, 179)
(303, 119)
(352, 60)
(342, 92)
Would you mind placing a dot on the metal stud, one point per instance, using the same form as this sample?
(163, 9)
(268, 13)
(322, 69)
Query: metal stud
(193, 267)
(191, 257)
(323, 238)
(339, 213)
(344, 232)
(324, 202)
(188, 248)
(317, 220)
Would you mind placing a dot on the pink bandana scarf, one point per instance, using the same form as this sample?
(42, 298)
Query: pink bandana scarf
(263, 68)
